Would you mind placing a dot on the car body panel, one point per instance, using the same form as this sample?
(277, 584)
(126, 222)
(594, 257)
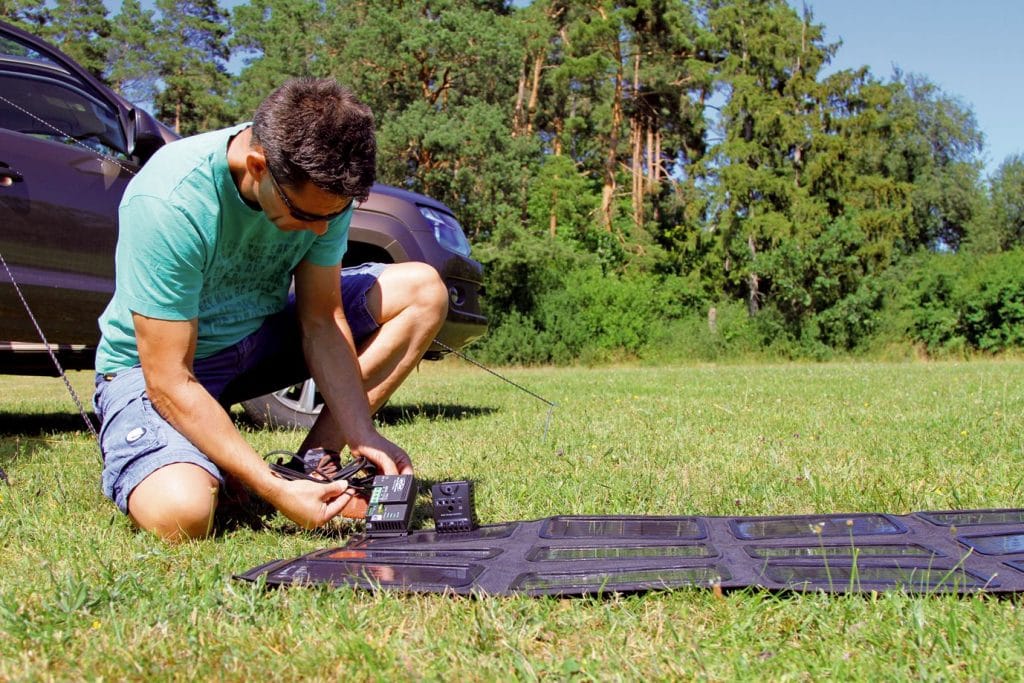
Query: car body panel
(59, 244)
(390, 220)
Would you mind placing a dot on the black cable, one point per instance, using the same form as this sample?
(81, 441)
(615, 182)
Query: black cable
(358, 472)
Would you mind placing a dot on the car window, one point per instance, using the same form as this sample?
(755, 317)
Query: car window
(51, 109)
(12, 47)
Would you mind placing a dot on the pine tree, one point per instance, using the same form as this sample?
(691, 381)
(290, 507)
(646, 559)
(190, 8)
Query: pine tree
(82, 30)
(191, 53)
(280, 39)
(131, 71)
(439, 77)
(769, 63)
(30, 15)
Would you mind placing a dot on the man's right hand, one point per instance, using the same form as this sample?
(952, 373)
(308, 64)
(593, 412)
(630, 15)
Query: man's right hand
(311, 504)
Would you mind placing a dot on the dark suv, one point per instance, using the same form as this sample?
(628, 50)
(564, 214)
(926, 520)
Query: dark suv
(68, 147)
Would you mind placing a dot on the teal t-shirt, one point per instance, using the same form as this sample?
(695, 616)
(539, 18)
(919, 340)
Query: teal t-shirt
(189, 247)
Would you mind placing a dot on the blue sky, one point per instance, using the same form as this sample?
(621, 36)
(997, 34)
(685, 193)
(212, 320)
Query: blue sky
(973, 50)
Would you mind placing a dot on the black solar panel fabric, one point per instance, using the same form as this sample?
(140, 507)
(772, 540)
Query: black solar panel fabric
(924, 552)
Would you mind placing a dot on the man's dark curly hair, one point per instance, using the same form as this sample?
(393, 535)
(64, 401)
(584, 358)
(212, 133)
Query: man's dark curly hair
(316, 130)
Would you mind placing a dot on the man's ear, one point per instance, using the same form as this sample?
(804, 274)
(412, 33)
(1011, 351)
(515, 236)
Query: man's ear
(255, 162)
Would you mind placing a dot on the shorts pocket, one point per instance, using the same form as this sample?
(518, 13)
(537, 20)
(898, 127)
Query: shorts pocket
(133, 432)
(134, 429)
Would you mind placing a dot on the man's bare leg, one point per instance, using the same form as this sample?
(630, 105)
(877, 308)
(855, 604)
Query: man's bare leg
(176, 502)
(410, 301)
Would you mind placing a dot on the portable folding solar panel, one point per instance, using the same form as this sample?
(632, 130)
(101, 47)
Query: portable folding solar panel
(923, 552)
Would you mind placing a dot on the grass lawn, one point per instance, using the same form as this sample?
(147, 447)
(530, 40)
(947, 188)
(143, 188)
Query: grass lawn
(83, 596)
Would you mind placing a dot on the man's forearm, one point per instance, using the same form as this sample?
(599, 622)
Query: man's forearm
(199, 417)
(331, 359)
(192, 411)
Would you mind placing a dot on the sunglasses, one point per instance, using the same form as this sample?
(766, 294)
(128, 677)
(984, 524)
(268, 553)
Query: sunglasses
(297, 213)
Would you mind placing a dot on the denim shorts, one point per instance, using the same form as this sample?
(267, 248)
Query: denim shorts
(136, 440)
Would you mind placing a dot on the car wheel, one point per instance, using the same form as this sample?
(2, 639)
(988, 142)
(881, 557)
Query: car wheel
(294, 407)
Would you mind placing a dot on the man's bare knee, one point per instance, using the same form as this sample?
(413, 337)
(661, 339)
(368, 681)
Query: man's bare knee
(408, 285)
(176, 502)
(427, 290)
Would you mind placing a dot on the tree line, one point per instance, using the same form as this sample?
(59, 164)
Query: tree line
(674, 177)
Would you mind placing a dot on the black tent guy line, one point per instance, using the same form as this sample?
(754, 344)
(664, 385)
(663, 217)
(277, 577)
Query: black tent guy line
(958, 552)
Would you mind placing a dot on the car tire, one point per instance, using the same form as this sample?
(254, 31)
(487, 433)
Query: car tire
(295, 407)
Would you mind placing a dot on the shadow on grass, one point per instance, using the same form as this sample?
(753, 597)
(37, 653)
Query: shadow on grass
(45, 424)
(42, 424)
(393, 415)
(433, 412)
(22, 435)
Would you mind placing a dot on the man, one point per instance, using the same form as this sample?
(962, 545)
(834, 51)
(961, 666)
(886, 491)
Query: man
(212, 232)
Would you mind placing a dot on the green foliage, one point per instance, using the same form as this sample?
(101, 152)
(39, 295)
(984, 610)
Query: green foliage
(854, 320)
(1003, 227)
(560, 199)
(577, 145)
(83, 31)
(191, 55)
(1008, 200)
(966, 303)
(938, 155)
(718, 332)
(434, 75)
(824, 291)
(548, 304)
(605, 314)
(520, 269)
(30, 15)
(131, 71)
(276, 37)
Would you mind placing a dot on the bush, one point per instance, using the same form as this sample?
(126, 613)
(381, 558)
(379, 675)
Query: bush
(520, 269)
(550, 303)
(961, 303)
(702, 336)
(992, 310)
(515, 341)
(590, 315)
(853, 320)
(606, 312)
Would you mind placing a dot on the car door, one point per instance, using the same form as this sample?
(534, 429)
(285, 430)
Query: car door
(63, 168)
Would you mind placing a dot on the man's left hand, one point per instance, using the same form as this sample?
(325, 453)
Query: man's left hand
(388, 457)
